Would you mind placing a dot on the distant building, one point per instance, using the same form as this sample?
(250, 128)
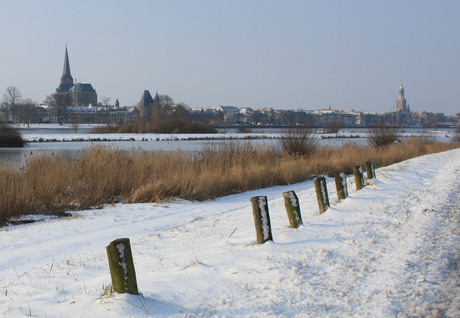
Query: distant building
(147, 106)
(80, 94)
(402, 116)
(401, 102)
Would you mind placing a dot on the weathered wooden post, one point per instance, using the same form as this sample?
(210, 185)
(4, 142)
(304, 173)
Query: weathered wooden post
(321, 194)
(122, 267)
(291, 202)
(359, 180)
(341, 185)
(261, 219)
(370, 170)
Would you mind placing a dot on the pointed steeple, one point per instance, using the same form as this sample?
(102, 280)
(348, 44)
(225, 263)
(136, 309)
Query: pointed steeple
(157, 98)
(401, 90)
(146, 99)
(401, 101)
(66, 77)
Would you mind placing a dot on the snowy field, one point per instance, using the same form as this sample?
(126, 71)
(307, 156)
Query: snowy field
(65, 133)
(389, 250)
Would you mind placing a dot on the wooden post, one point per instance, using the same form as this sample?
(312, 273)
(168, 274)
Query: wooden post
(359, 180)
(261, 219)
(321, 194)
(341, 185)
(122, 267)
(370, 170)
(291, 202)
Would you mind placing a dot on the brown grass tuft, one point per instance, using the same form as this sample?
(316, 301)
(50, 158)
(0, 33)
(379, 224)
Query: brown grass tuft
(51, 184)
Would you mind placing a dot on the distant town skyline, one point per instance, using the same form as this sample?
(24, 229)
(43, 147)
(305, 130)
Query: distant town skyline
(280, 54)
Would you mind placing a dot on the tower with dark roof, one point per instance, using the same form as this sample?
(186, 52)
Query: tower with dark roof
(80, 94)
(145, 106)
(66, 78)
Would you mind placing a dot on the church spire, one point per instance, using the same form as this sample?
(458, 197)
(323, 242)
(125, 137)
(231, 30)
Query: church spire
(66, 77)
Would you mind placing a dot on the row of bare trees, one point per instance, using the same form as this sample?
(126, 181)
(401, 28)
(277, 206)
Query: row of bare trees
(25, 110)
(14, 104)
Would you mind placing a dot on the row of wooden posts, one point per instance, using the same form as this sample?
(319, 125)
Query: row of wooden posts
(119, 251)
(291, 202)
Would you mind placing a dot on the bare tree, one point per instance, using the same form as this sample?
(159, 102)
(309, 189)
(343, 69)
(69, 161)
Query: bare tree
(299, 141)
(49, 100)
(166, 100)
(333, 126)
(75, 123)
(382, 135)
(25, 111)
(61, 102)
(105, 101)
(12, 96)
(180, 111)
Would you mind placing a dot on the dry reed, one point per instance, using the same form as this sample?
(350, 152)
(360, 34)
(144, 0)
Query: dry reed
(50, 184)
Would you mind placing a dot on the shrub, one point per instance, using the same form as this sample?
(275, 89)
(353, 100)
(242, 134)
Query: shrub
(9, 137)
(381, 135)
(456, 137)
(299, 141)
(333, 126)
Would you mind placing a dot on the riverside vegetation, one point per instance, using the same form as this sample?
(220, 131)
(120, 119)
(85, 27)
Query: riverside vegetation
(50, 184)
(164, 126)
(10, 137)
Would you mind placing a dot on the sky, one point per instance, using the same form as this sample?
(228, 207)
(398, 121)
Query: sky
(255, 53)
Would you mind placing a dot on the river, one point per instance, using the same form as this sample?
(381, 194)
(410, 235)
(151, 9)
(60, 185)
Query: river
(72, 145)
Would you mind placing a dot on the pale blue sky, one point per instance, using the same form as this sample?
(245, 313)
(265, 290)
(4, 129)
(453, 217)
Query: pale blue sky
(281, 54)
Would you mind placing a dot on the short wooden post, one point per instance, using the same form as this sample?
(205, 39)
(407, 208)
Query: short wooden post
(261, 219)
(291, 202)
(341, 185)
(370, 170)
(321, 194)
(122, 267)
(359, 180)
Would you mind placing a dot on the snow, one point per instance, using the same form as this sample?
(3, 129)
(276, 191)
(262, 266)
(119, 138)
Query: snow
(344, 183)
(324, 193)
(121, 250)
(32, 134)
(293, 199)
(265, 217)
(388, 250)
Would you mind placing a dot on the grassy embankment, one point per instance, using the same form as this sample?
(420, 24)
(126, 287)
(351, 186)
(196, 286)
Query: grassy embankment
(53, 184)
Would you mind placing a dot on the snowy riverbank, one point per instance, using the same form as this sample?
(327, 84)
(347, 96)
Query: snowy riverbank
(389, 250)
(65, 133)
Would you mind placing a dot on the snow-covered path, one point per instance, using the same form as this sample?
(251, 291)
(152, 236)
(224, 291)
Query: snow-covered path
(389, 250)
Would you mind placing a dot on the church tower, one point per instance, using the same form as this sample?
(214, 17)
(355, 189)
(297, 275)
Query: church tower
(401, 101)
(66, 78)
(74, 93)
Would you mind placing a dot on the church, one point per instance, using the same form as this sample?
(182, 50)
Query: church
(81, 94)
(401, 102)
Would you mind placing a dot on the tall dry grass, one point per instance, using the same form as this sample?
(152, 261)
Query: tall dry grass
(50, 184)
